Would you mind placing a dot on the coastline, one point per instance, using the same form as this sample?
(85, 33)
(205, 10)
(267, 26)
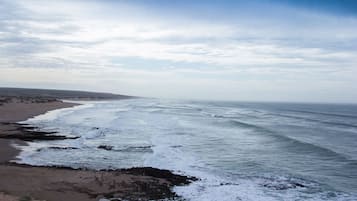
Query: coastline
(16, 109)
(8, 151)
(65, 183)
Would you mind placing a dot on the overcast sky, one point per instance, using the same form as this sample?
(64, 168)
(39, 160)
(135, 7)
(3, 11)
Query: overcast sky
(302, 51)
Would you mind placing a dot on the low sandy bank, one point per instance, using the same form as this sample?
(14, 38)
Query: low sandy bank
(14, 110)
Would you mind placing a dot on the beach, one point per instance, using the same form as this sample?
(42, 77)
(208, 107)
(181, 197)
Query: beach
(156, 149)
(25, 182)
(239, 151)
(13, 110)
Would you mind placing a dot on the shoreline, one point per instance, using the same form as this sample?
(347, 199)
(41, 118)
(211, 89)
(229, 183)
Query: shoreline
(15, 110)
(8, 151)
(54, 183)
(57, 183)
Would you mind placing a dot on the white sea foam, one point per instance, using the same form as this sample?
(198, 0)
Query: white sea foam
(54, 114)
(234, 161)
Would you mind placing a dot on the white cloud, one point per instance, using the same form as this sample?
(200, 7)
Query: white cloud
(81, 39)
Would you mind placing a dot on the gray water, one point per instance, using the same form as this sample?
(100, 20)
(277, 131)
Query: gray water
(241, 151)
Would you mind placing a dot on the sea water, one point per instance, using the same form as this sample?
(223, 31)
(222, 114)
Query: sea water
(240, 151)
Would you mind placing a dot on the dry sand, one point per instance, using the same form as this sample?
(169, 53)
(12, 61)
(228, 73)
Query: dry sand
(24, 182)
(20, 111)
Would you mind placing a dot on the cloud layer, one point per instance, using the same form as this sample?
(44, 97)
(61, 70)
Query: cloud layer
(248, 52)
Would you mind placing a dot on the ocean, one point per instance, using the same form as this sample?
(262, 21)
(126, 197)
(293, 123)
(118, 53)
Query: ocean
(239, 150)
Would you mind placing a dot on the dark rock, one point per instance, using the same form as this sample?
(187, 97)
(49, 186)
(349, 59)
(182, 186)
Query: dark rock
(105, 147)
(29, 133)
(158, 173)
(285, 186)
(299, 185)
(57, 148)
(148, 183)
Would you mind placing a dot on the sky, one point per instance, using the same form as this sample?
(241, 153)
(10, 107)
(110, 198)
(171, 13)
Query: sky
(267, 50)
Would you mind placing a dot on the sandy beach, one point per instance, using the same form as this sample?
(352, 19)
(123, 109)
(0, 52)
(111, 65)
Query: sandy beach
(15, 109)
(25, 182)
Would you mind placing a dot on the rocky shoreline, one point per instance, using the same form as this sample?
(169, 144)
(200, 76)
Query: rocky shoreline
(55, 183)
(27, 132)
(66, 183)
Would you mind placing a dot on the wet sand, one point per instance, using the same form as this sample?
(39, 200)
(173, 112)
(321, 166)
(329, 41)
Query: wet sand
(8, 152)
(14, 109)
(24, 182)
